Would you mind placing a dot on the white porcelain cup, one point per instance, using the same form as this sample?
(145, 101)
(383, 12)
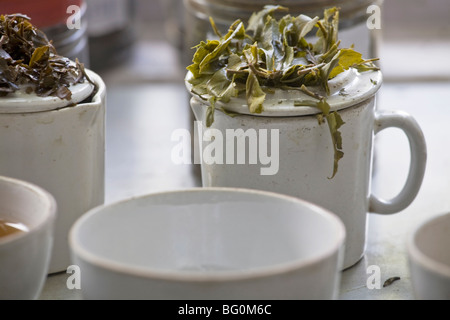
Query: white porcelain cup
(25, 256)
(429, 258)
(301, 153)
(60, 146)
(209, 243)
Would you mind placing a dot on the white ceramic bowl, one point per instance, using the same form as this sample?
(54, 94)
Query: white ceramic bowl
(25, 257)
(429, 259)
(209, 243)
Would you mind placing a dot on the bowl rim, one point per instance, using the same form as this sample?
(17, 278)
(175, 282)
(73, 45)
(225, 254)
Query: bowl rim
(418, 257)
(78, 250)
(49, 202)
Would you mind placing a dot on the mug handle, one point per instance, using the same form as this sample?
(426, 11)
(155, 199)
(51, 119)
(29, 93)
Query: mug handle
(398, 119)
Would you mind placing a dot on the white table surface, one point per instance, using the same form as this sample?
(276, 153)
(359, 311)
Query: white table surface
(141, 118)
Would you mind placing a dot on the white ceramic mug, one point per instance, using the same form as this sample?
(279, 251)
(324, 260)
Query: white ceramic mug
(60, 148)
(25, 256)
(209, 243)
(301, 152)
(429, 258)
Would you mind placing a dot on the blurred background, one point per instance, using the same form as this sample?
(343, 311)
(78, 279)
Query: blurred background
(411, 31)
(162, 30)
(149, 40)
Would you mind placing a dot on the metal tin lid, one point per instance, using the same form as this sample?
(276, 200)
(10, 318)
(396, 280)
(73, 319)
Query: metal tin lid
(346, 89)
(22, 102)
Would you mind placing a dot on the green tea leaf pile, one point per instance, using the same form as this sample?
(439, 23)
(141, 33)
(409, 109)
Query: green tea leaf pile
(271, 53)
(28, 58)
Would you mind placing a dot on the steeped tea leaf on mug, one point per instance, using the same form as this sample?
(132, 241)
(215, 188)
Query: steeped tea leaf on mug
(28, 58)
(274, 54)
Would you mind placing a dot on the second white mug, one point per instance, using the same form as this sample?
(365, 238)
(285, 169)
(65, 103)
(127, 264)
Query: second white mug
(293, 154)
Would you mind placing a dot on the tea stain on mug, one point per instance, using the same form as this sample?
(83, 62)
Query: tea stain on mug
(7, 228)
(59, 141)
(45, 120)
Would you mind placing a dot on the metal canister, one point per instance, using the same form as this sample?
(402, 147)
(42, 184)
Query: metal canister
(111, 31)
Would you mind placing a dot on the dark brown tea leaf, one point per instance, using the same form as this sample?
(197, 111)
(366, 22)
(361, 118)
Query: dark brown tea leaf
(28, 58)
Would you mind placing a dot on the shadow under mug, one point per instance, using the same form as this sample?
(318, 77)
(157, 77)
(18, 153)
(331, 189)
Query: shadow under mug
(305, 156)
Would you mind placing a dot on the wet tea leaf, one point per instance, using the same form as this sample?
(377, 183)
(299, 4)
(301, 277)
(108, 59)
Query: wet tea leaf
(274, 54)
(335, 121)
(28, 58)
(257, 20)
(390, 281)
(210, 112)
(255, 95)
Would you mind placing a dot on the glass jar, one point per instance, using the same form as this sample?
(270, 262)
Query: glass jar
(353, 28)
